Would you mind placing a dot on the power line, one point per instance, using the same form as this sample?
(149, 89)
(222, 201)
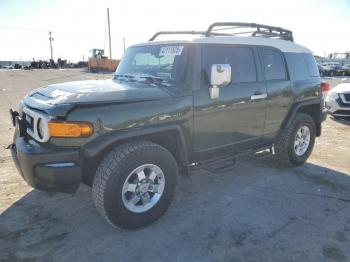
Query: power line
(33, 29)
(23, 28)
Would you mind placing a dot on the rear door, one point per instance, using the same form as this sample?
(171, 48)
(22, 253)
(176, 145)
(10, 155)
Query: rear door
(238, 116)
(278, 88)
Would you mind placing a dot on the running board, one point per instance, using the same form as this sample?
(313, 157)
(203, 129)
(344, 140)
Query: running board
(227, 162)
(224, 165)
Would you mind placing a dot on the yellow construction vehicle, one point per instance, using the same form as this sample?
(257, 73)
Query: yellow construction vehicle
(99, 62)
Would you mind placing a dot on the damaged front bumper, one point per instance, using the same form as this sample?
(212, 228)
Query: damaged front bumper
(45, 167)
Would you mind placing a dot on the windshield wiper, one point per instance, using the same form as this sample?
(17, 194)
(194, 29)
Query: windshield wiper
(159, 81)
(124, 77)
(154, 80)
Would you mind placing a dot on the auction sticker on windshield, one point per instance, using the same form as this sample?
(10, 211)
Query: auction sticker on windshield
(171, 50)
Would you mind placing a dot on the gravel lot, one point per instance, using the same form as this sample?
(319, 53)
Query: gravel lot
(257, 212)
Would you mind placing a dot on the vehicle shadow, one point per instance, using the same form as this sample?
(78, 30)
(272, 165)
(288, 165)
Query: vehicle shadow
(344, 121)
(259, 211)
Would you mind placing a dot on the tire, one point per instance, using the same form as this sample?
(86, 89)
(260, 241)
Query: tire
(115, 170)
(284, 147)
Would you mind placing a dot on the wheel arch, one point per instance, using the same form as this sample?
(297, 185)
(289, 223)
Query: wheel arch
(169, 137)
(310, 107)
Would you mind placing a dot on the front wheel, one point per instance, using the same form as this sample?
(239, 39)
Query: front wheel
(135, 184)
(294, 144)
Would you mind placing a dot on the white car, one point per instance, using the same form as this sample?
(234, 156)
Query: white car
(9, 67)
(338, 100)
(330, 64)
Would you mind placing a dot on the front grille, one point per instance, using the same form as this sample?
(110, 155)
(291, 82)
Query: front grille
(347, 97)
(342, 103)
(342, 112)
(32, 119)
(29, 122)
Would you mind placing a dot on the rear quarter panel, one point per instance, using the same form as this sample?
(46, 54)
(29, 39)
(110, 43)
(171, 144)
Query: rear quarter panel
(305, 85)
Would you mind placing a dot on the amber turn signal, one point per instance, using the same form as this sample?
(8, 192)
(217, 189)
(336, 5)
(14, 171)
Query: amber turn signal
(70, 129)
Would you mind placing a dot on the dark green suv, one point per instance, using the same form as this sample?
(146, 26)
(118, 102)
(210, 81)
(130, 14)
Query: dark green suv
(170, 107)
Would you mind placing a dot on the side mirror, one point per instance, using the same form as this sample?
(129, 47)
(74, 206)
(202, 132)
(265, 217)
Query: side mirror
(220, 76)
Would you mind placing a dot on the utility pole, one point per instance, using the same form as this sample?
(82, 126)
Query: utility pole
(51, 39)
(109, 34)
(124, 43)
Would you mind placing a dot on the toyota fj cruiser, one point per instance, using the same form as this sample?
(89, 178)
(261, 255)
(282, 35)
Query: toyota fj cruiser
(170, 107)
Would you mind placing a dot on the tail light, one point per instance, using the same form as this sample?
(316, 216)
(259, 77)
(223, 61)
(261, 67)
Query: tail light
(325, 87)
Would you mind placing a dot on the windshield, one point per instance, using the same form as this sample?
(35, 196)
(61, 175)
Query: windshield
(153, 64)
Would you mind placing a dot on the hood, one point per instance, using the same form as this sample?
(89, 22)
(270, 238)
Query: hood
(342, 88)
(57, 99)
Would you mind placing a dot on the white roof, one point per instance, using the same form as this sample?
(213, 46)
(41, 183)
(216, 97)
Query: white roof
(283, 45)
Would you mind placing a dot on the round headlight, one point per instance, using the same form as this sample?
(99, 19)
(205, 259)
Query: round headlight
(42, 128)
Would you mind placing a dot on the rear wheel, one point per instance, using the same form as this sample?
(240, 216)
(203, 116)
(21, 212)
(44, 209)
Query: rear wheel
(294, 144)
(135, 184)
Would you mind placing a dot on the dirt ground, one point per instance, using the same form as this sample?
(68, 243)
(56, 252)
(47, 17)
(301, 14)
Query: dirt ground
(259, 211)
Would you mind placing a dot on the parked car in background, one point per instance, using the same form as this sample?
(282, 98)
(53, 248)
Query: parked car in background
(9, 67)
(322, 70)
(332, 69)
(330, 64)
(339, 70)
(338, 100)
(328, 70)
(347, 69)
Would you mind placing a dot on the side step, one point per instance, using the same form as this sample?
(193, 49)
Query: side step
(262, 154)
(227, 162)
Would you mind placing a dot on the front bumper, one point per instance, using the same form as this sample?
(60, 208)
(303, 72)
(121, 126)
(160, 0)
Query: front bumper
(337, 107)
(46, 168)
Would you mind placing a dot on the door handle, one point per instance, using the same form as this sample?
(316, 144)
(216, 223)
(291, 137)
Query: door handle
(258, 96)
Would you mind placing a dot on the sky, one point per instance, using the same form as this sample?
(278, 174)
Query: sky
(79, 25)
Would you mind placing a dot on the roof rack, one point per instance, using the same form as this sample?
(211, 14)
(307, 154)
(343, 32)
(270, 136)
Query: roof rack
(259, 30)
(176, 33)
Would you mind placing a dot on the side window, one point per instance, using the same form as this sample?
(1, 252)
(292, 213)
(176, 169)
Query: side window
(311, 65)
(241, 60)
(273, 64)
(296, 66)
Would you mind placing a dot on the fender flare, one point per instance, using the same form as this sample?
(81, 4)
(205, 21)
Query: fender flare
(99, 144)
(294, 109)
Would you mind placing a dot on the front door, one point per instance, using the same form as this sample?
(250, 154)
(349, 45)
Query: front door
(238, 116)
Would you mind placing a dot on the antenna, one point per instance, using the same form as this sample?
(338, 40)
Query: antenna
(124, 44)
(109, 34)
(51, 39)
